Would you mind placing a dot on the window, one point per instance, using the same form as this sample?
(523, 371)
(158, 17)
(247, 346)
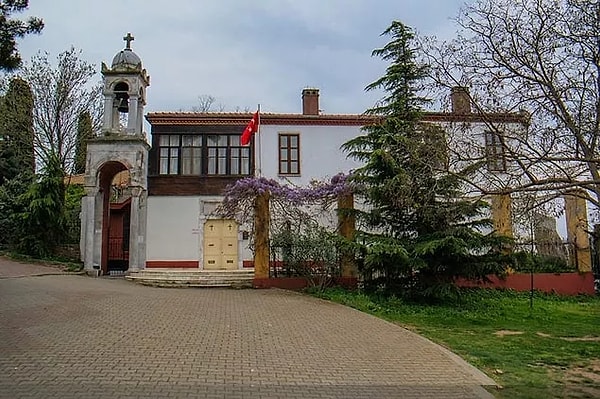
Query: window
(217, 155)
(494, 151)
(226, 156)
(239, 161)
(191, 155)
(289, 154)
(196, 154)
(169, 155)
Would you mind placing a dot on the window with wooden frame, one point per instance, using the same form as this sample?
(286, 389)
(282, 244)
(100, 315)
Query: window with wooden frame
(169, 154)
(239, 157)
(289, 153)
(197, 154)
(494, 152)
(191, 154)
(217, 154)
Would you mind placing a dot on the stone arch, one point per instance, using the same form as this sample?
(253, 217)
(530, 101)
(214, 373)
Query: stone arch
(113, 213)
(115, 244)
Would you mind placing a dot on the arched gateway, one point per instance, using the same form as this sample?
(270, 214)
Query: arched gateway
(121, 148)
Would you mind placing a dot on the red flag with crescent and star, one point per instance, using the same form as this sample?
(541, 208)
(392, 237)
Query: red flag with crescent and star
(250, 129)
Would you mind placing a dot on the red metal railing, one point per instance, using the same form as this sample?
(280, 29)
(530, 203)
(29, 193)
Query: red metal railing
(117, 249)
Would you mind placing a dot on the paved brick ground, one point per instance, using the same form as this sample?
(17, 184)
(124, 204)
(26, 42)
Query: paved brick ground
(65, 336)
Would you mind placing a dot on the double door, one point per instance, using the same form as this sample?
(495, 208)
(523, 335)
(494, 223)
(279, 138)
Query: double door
(220, 244)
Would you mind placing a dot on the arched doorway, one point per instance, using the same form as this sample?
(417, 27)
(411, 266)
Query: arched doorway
(116, 215)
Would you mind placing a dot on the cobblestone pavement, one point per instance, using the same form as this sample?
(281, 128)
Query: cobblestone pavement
(67, 336)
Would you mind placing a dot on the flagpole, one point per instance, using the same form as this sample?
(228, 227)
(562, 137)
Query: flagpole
(259, 145)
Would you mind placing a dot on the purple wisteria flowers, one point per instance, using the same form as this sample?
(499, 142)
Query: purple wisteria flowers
(240, 196)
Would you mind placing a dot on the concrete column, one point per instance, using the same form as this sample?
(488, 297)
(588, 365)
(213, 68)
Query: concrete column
(347, 229)
(108, 110)
(142, 223)
(261, 236)
(577, 226)
(132, 115)
(115, 120)
(139, 120)
(88, 227)
(134, 230)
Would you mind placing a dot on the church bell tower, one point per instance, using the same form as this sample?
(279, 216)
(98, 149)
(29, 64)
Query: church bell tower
(125, 84)
(113, 217)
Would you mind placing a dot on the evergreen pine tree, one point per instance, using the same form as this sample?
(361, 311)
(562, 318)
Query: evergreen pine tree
(12, 29)
(421, 233)
(84, 133)
(16, 131)
(41, 222)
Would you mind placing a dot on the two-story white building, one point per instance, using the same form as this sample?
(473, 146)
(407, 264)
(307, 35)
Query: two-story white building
(194, 156)
(177, 182)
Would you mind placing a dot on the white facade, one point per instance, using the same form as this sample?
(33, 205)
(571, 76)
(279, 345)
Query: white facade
(176, 226)
(176, 221)
(173, 228)
(320, 153)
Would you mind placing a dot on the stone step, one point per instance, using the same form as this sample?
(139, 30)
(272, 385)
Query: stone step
(189, 278)
(194, 275)
(159, 282)
(193, 278)
(195, 271)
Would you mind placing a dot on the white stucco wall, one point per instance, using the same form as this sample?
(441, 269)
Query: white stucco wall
(320, 154)
(172, 232)
(176, 228)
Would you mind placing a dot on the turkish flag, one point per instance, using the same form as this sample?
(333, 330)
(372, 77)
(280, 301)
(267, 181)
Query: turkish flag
(250, 129)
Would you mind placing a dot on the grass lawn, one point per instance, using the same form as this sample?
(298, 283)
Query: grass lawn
(549, 351)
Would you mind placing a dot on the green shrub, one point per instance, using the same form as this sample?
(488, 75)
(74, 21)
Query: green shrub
(527, 262)
(309, 251)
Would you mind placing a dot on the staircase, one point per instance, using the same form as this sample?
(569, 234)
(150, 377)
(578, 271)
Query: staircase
(178, 278)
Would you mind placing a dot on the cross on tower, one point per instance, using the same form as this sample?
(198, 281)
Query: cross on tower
(128, 39)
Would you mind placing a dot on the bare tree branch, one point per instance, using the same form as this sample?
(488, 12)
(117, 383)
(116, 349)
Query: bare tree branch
(61, 93)
(538, 55)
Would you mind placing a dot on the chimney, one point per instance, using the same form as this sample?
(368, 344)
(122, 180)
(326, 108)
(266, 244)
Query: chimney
(461, 102)
(310, 102)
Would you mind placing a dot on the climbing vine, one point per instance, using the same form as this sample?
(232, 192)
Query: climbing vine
(285, 200)
(302, 224)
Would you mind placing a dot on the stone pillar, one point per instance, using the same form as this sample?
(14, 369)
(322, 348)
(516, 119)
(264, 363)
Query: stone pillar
(142, 223)
(115, 124)
(261, 236)
(577, 236)
(347, 229)
(132, 115)
(108, 110)
(88, 227)
(139, 119)
(134, 230)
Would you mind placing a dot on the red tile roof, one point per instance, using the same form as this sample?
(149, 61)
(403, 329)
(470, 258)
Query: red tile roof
(239, 118)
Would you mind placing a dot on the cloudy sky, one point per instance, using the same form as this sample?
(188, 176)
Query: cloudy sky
(239, 51)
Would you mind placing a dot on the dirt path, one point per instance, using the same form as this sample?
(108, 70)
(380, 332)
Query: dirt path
(10, 269)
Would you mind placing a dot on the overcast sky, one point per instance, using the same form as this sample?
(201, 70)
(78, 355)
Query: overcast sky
(242, 52)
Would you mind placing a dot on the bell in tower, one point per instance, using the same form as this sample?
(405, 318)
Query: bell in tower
(125, 84)
(122, 97)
